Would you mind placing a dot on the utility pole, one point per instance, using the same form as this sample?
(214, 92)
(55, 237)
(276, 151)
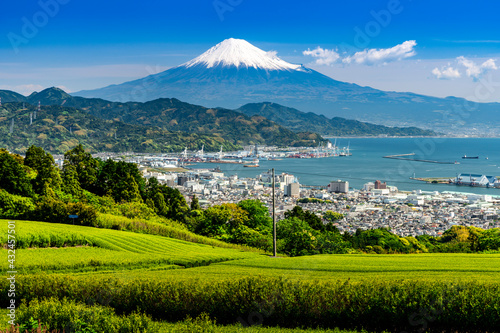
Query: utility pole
(274, 219)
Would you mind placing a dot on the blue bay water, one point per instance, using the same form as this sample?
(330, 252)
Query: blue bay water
(367, 163)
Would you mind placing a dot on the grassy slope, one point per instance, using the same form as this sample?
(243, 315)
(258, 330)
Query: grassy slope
(114, 250)
(111, 249)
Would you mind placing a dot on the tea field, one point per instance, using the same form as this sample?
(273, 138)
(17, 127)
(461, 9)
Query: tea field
(44, 247)
(353, 268)
(159, 283)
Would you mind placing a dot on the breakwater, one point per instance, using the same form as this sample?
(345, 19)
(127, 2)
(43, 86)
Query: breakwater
(403, 157)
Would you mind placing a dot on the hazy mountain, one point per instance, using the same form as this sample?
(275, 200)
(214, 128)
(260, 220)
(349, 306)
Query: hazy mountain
(299, 121)
(10, 96)
(234, 73)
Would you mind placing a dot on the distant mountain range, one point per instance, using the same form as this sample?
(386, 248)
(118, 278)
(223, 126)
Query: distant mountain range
(268, 123)
(234, 73)
(158, 126)
(299, 121)
(58, 129)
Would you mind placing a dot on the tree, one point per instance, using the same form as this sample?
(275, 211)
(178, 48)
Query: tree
(126, 190)
(15, 206)
(165, 200)
(13, 176)
(47, 173)
(86, 166)
(258, 214)
(332, 216)
(70, 182)
(473, 238)
(221, 221)
(195, 205)
(296, 237)
(332, 242)
(310, 218)
(297, 212)
(176, 203)
(159, 204)
(122, 181)
(214, 222)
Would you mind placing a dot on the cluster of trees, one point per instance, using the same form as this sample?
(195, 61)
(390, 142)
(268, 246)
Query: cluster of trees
(34, 188)
(304, 233)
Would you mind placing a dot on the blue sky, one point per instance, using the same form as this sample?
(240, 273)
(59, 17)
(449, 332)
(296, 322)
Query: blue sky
(436, 48)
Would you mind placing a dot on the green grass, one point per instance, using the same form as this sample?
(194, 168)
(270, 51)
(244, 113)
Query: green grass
(150, 256)
(33, 235)
(356, 268)
(111, 249)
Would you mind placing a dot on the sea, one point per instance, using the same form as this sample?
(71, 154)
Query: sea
(367, 163)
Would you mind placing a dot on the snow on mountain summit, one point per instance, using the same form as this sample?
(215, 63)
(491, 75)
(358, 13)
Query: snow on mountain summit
(240, 53)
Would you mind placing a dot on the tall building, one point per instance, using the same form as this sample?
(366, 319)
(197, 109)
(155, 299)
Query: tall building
(338, 186)
(380, 186)
(292, 190)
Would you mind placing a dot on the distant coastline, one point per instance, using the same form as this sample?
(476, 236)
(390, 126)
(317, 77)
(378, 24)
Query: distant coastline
(409, 136)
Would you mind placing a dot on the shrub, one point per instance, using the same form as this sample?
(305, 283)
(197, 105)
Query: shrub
(15, 206)
(87, 215)
(51, 210)
(371, 305)
(71, 316)
(55, 211)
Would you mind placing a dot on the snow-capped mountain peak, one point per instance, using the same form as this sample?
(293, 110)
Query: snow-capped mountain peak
(240, 53)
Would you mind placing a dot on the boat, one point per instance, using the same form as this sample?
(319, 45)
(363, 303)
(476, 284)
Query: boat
(346, 151)
(250, 165)
(470, 157)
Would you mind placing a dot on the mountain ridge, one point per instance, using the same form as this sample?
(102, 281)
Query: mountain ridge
(282, 115)
(297, 120)
(57, 129)
(174, 115)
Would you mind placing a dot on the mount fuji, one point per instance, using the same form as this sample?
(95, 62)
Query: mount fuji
(234, 72)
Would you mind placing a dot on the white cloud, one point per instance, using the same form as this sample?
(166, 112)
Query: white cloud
(65, 89)
(24, 89)
(474, 70)
(323, 56)
(272, 54)
(446, 73)
(381, 56)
